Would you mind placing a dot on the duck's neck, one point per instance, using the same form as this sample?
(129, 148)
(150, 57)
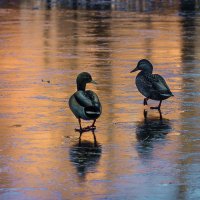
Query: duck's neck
(81, 86)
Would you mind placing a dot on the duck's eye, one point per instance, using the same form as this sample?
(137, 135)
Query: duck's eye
(87, 79)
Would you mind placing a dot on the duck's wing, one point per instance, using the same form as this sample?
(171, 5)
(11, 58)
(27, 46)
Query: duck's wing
(90, 102)
(159, 84)
(87, 98)
(94, 98)
(83, 99)
(144, 85)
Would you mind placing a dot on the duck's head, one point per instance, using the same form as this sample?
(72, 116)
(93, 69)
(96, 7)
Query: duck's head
(82, 79)
(143, 65)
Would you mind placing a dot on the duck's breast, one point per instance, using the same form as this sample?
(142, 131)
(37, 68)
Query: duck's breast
(143, 85)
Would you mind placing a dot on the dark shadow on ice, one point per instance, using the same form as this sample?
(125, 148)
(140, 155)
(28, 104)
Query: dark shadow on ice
(187, 8)
(152, 128)
(149, 132)
(85, 155)
(87, 4)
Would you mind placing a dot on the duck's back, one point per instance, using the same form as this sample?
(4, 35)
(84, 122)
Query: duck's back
(152, 86)
(85, 105)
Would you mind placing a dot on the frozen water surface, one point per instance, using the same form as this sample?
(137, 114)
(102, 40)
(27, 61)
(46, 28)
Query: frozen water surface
(41, 53)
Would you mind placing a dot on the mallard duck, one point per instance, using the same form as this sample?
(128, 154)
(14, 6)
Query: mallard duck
(83, 103)
(152, 86)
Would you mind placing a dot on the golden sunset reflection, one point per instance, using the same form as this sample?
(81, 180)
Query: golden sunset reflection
(40, 152)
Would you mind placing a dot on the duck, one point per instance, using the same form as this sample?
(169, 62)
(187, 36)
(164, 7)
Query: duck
(152, 86)
(85, 104)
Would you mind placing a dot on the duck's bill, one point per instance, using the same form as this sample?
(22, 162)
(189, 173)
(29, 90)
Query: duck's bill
(134, 70)
(94, 82)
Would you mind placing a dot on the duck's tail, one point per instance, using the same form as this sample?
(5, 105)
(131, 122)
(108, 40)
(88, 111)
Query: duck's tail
(168, 94)
(171, 94)
(92, 112)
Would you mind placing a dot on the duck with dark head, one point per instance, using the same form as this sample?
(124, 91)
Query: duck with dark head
(84, 103)
(152, 86)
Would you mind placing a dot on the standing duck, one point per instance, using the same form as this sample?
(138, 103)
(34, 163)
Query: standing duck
(85, 104)
(152, 86)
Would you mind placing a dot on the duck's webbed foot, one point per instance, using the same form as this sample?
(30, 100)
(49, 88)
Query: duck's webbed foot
(145, 101)
(90, 128)
(85, 129)
(81, 130)
(157, 108)
(93, 125)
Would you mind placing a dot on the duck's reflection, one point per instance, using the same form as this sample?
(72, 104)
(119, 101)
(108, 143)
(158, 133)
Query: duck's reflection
(85, 155)
(152, 127)
(150, 130)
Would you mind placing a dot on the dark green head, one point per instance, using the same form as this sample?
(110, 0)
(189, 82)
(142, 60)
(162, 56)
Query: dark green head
(143, 65)
(82, 79)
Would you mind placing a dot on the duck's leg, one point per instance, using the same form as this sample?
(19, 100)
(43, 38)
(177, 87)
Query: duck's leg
(80, 129)
(88, 128)
(160, 114)
(159, 104)
(158, 107)
(79, 121)
(95, 140)
(92, 127)
(93, 124)
(145, 101)
(145, 114)
(80, 136)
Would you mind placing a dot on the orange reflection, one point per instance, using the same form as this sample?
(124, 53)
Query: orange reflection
(56, 45)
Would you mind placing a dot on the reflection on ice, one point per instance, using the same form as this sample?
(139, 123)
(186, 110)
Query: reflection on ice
(152, 128)
(85, 155)
(151, 131)
(57, 44)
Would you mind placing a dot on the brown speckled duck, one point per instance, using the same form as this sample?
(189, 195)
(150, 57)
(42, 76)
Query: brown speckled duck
(152, 86)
